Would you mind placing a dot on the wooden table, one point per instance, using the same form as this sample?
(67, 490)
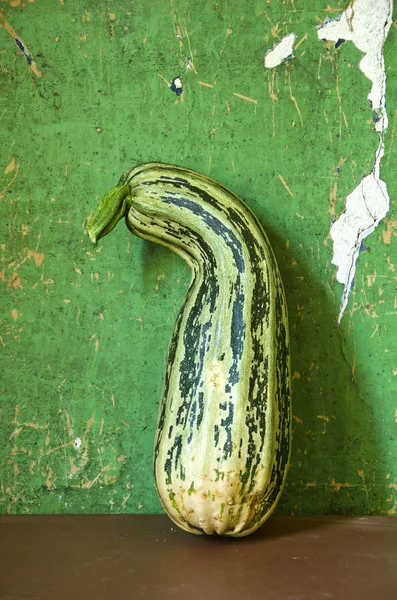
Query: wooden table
(146, 556)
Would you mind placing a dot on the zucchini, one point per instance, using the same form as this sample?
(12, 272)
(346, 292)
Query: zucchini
(223, 436)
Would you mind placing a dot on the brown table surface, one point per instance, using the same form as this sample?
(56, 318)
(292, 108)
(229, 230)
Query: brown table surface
(147, 556)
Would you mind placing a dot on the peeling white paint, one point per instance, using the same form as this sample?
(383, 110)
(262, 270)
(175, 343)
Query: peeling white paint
(365, 207)
(366, 23)
(280, 52)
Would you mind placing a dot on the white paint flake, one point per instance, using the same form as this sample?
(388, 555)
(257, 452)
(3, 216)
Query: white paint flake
(177, 83)
(366, 23)
(280, 52)
(177, 86)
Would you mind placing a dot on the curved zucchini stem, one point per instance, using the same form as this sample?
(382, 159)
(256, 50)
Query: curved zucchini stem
(113, 207)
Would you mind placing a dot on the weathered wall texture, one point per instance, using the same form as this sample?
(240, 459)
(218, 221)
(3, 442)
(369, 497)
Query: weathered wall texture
(84, 331)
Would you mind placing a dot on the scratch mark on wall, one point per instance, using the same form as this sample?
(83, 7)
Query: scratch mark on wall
(182, 35)
(273, 86)
(342, 116)
(393, 133)
(212, 134)
(88, 484)
(274, 28)
(50, 479)
(332, 198)
(292, 97)
(15, 433)
(336, 486)
(325, 420)
(38, 258)
(245, 98)
(285, 185)
(21, 45)
(125, 499)
(367, 25)
(9, 169)
(90, 423)
(375, 331)
(281, 52)
(391, 230)
(303, 39)
(361, 474)
(101, 63)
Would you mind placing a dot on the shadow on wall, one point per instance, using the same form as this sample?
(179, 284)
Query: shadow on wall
(333, 437)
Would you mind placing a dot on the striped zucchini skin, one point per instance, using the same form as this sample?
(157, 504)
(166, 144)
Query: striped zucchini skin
(223, 436)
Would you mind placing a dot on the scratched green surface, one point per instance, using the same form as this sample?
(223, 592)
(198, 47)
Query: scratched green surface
(84, 331)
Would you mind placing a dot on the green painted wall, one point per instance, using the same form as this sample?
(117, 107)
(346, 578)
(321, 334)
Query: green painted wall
(84, 330)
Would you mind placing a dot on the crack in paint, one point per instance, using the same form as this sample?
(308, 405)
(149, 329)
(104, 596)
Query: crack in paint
(24, 50)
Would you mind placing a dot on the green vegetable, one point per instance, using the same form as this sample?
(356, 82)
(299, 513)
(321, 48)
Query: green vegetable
(223, 437)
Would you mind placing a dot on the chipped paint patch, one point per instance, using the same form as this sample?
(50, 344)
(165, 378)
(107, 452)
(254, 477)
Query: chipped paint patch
(177, 86)
(280, 52)
(367, 25)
